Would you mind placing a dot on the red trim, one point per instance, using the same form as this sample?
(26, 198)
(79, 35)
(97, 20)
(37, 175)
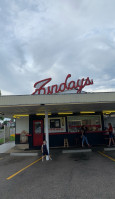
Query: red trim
(72, 126)
(28, 135)
(20, 134)
(67, 133)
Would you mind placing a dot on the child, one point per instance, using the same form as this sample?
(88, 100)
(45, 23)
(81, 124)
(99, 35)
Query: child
(45, 151)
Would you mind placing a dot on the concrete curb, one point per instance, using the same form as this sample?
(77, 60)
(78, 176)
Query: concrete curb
(23, 154)
(109, 149)
(77, 151)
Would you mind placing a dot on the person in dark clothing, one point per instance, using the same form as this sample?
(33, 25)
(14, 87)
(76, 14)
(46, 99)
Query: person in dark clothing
(111, 136)
(84, 136)
(45, 151)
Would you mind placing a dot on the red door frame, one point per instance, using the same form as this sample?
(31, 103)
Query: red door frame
(37, 136)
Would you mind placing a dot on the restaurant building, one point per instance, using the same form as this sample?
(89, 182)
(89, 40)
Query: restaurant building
(56, 113)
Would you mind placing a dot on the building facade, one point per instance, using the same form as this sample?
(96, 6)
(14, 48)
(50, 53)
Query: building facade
(56, 117)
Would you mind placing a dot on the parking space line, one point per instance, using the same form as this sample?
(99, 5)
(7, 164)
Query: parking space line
(103, 154)
(23, 169)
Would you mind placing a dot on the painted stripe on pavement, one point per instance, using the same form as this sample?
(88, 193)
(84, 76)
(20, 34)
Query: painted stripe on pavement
(23, 169)
(103, 154)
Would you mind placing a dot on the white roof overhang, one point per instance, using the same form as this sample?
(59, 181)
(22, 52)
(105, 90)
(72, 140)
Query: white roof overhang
(32, 104)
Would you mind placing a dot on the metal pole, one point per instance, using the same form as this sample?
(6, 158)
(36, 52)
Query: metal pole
(46, 129)
(4, 132)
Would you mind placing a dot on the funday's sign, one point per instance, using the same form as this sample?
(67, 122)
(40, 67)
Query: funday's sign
(71, 85)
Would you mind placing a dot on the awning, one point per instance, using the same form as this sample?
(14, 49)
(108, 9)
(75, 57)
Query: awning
(32, 104)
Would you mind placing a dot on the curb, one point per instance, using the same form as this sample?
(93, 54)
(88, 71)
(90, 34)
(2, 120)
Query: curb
(109, 149)
(77, 151)
(23, 154)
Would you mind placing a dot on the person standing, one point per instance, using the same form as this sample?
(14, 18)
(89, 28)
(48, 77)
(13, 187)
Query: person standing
(111, 136)
(84, 136)
(45, 151)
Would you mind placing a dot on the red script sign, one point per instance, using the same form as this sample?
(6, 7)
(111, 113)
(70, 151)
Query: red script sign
(72, 85)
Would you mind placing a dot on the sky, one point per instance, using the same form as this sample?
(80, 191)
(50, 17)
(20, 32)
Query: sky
(40, 39)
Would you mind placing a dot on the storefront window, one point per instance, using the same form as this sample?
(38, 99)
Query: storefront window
(56, 125)
(92, 122)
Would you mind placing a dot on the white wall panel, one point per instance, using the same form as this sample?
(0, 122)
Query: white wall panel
(22, 124)
(67, 98)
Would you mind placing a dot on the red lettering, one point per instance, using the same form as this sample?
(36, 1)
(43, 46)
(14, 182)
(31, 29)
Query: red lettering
(39, 85)
(68, 76)
(51, 89)
(64, 84)
(80, 84)
(39, 91)
(62, 87)
(71, 85)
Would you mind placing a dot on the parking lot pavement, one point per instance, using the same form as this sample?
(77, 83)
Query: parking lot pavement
(67, 176)
(110, 154)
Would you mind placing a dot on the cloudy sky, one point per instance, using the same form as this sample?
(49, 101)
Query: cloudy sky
(52, 38)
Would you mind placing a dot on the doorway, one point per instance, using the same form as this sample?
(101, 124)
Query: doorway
(37, 132)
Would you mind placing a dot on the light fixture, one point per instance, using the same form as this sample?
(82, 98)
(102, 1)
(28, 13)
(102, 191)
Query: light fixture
(87, 112)
(65, 113)
(42, 114)
(108, 111)
(18, 116)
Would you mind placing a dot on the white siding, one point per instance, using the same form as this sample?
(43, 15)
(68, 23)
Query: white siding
(52, 99)
(22, 124)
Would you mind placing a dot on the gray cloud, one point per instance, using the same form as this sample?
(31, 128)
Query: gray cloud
(41, 39)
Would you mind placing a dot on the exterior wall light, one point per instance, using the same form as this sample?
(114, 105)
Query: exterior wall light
(87, 112)
(108, 111)
(42, 114)
(18, 116)
(65, 113)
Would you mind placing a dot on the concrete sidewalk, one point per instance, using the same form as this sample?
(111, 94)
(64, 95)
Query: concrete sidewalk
(22, 150)
(7, 146)
(17, 150)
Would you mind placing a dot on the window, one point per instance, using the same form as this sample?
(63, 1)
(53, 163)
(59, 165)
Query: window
(93, 122)
(55, 123)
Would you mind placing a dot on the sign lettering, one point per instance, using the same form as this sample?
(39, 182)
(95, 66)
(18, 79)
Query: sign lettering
(72, 85)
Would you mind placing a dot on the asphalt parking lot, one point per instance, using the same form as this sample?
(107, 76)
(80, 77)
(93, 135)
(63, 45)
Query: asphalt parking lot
(68, 176)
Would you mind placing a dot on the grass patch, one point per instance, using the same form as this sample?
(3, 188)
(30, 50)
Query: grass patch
(12, 138)
(1, 140)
